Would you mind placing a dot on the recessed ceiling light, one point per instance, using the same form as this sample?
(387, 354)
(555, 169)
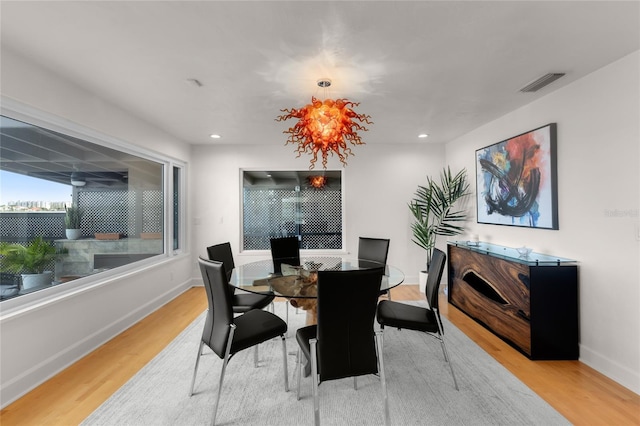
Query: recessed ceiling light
(214, 136)
(423, 135)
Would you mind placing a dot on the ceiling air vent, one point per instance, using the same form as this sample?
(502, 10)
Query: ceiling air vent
(538, 84)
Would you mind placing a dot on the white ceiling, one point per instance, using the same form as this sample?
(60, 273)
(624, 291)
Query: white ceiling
(439, 67)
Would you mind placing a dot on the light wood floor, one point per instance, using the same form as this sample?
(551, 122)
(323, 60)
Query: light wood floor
(581, 394)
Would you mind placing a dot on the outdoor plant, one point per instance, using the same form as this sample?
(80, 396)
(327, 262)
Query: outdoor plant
(433, 209)
(73, 217)
(30, 259)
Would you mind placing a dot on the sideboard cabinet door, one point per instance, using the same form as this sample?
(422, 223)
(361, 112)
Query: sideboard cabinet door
(532, 307)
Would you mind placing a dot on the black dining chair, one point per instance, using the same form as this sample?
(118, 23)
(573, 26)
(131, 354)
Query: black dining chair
(227, 335)
(285, 250)
(427, 320)
(343, 343)
(242, 302)
(375, 250)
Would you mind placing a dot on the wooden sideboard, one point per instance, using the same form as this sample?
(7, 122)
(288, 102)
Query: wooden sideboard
(530, 302)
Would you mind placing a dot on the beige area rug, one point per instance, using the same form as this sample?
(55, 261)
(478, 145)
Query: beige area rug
(419, 382)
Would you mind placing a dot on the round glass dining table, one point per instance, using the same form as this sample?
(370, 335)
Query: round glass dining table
(299, 283)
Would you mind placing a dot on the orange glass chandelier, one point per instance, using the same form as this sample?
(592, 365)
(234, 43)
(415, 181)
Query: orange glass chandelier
(325, 127)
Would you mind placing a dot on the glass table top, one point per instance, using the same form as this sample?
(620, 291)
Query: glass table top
(300, 281)
(513, 254)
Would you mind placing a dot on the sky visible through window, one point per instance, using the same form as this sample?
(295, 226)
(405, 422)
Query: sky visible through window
(16, 187)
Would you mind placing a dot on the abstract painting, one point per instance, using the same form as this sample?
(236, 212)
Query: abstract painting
(517, 180)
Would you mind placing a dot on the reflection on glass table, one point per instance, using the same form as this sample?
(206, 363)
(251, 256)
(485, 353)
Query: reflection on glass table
(299, 283)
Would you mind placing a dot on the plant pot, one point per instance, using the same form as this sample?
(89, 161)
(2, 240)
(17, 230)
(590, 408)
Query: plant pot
(37, 280)
(151, 235)
(73, 234)
(107, 236)
(423, 281)
(67, 278)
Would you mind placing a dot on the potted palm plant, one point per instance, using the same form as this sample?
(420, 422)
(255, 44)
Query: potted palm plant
(30, 261)
(72, 222)
(434, 213)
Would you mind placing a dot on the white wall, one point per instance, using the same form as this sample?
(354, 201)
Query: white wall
(39, 342)
(379, 182)
(598, 160)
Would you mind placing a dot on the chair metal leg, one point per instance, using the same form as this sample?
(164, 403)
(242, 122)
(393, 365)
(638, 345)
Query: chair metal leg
(314, 377)
(224, 368)
(255, 356)
(440, 337)
(284, 360)
(195, 368)
(355, 383)
(299, 368)
(446, 357)
(383, 380)
(444, 350)
(378, 353)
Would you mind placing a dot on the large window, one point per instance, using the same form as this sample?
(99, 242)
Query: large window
(121, 199)
(305, 204)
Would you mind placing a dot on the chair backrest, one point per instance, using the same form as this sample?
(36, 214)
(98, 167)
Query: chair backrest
(222, 253)
(220, 313)
(285, 250)
(436, 268)
(374, 249)
(347, 302)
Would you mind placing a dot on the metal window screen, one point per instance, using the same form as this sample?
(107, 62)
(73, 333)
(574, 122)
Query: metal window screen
(314, 216)
(23, 227)
(122, 211)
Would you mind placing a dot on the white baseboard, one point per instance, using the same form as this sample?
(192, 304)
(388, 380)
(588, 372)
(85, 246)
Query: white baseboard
(613, 370)
(36, 375)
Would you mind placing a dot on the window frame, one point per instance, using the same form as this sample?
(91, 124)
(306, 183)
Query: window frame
(24, 113)
(181, 206)
(308, 252)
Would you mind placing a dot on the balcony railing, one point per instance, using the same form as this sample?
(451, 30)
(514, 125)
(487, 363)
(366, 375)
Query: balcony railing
(77, 258)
